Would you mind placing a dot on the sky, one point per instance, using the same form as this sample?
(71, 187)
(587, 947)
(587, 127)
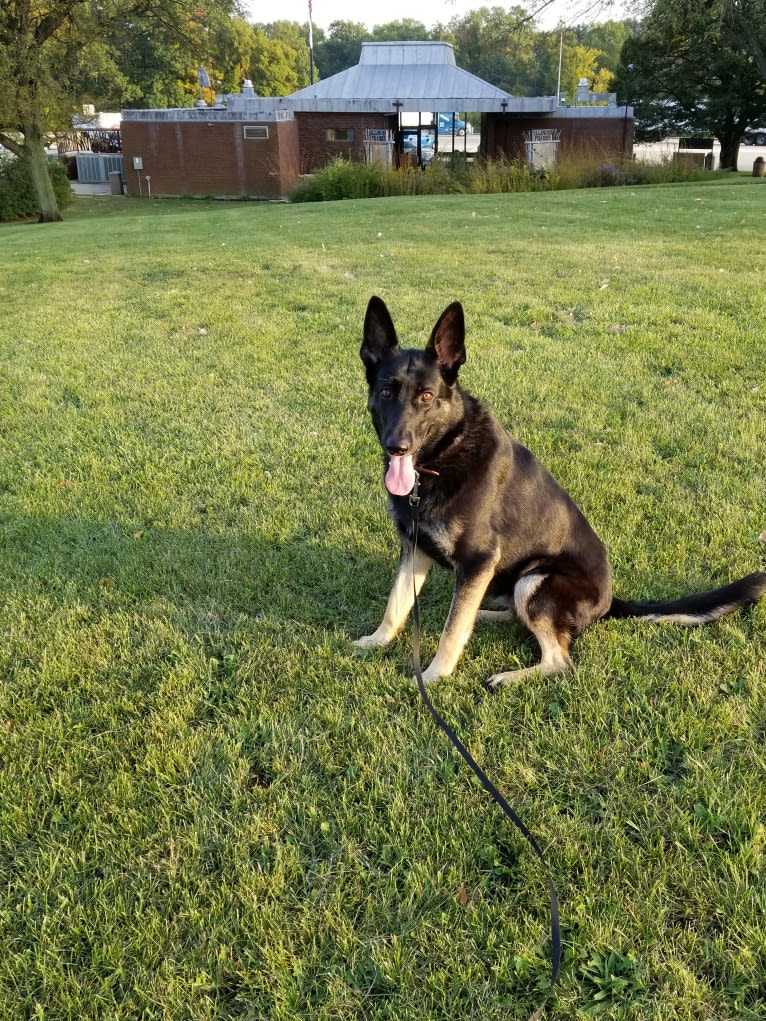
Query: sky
(430, 12)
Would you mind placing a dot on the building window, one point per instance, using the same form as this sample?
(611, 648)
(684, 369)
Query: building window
(255, 131)
(340, 134)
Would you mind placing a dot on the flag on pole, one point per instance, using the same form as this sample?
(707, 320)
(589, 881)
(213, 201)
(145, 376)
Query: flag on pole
(202, 77)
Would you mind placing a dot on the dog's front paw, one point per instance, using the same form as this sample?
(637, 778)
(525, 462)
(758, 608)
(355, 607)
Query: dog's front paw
(367, 642)
(429, 677)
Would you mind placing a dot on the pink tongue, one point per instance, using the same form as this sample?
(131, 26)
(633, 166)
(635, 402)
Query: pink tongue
(400, 477)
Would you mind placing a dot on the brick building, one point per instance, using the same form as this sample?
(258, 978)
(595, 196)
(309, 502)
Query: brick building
(255, 146)
(210, 152)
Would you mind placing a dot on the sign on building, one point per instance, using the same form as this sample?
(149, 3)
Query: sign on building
(542, 146)
(378, 145)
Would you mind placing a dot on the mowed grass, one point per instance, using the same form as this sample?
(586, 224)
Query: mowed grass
(210, 808)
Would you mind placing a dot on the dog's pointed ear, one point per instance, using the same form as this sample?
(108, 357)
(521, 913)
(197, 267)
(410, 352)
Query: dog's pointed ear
(379, 337)
(447, 341)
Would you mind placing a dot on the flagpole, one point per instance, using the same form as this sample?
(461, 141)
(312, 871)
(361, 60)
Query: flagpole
(311, 49)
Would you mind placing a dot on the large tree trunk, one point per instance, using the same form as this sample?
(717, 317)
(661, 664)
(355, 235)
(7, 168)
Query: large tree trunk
(729, 134)
(37, 162)
(729, 151)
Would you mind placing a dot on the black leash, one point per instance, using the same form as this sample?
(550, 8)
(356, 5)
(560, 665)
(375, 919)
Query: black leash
(486, 783)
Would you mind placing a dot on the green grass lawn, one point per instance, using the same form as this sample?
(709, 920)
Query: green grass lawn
(209, 806)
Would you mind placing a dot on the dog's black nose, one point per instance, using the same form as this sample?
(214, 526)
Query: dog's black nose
(396, 450)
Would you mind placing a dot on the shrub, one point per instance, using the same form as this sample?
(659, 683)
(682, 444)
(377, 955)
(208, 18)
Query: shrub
(341, 179)
(305, 191)
(604, 175)
(666, 172)
(504, 175)
(17, 196)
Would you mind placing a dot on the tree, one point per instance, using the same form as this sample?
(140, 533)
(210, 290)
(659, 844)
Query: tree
(577, 61)
(341, 47)
(408, 29)
(273, 67)
(698, 67)
(586, 51)
(156, 50)
(608, 38)
(38, 50)
(232, 43)
(497, 45)
(52, 52)
(294, 37)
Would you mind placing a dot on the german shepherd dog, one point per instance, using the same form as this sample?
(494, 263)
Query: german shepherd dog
(490, 511)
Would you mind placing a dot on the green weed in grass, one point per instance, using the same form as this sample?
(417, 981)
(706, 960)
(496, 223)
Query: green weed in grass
(210, 808)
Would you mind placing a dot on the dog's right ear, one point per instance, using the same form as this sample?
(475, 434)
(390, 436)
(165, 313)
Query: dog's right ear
(379, 334)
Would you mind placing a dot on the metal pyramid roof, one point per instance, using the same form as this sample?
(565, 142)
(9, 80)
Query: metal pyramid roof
(417, 75)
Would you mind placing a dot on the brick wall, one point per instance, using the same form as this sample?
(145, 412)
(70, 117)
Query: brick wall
(211, 158)
(316, 150)
(605, 136)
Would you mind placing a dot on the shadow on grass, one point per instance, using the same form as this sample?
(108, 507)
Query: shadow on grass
(296, 598)
(300, 578)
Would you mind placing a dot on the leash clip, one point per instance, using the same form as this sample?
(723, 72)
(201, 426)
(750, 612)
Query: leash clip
(415, 494)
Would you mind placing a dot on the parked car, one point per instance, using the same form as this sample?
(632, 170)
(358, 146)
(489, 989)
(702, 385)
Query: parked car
(755, 136)
(410, 145)
(444, 124)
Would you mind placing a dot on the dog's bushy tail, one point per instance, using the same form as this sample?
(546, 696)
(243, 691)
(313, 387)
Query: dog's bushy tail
(697, 609)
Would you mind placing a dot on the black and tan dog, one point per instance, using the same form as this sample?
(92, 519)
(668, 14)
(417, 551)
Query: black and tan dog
(490, 511)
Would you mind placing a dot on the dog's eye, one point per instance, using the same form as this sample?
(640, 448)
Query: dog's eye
(426, 396)
(385, 393)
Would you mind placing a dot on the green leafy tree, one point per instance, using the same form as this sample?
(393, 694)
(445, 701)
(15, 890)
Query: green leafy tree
(698, 67)
(496, 45)
(587, 51)
(158, 49)
(341, 47)
(543, 76)
(231, 42)
(38, 54)
(294, 37)
(583, 63)
(147, 65)
(273, 66)
(608, 39)
(54, 52)
(406, 30)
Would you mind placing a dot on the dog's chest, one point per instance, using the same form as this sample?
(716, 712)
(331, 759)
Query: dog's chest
(436, 537)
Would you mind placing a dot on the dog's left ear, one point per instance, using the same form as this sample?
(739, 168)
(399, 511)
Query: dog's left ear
(379, 338)
(447, 341)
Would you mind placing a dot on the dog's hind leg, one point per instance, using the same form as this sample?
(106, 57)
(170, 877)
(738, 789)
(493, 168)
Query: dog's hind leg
(537, 605)
(555, 659)
(401, 599)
